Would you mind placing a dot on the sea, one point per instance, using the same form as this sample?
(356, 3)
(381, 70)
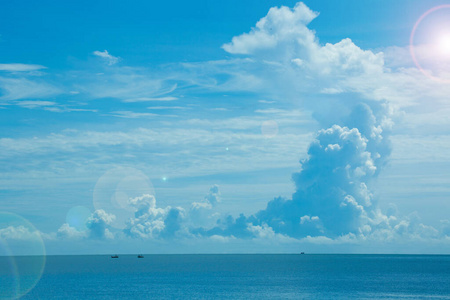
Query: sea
(228, 276)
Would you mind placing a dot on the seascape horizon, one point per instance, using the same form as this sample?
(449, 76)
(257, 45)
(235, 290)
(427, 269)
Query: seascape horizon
(239, 276)
(257, 149)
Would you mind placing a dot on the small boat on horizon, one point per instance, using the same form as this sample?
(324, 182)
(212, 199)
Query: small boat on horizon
(115, 256)
(140, 256)
(302, 252)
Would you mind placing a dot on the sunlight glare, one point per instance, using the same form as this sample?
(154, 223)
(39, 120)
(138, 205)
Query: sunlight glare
(444, 44)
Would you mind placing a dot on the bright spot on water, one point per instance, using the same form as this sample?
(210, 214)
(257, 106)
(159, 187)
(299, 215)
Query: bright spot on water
(19, 274)
(114, 190)
(77, 216)
(269, 129)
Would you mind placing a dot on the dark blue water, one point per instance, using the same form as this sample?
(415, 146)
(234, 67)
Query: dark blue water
(238, 277)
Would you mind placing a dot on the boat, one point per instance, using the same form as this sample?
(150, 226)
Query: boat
(140, 256)
(115, 256)
(302, 252)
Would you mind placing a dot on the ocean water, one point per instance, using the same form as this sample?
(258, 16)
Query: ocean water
(228, 277)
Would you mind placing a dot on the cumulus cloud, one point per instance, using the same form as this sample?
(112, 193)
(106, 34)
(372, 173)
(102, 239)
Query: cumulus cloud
(111, 60)
(19, 233)
(99, 225)
(68, 232)
(96, 227)
(204, 214)
(152, 222)
(286, 58)
(279, 25)
(283, 36)
(332, 194)
(333, 201)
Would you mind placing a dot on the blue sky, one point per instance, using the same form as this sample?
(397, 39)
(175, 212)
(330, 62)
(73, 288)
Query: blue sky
(263, 126)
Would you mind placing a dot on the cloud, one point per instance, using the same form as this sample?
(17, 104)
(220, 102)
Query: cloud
(147, 99)
(279, 25)
(332, 197)
(285, 58)
(23, 88)
(167, 107)
(35, 104)
(131, 115)
(204, 214)
(152, 222)
(127, 84)
(111, 60)
(68, 232)
(99, 225)
(333, 201)
(19, 233)
(20, 67)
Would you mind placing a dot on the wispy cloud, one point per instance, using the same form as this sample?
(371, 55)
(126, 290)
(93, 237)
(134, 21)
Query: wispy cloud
(35, 104)
(20, 88)
(65, 109)
(20, 67)
(149, 99)
(131, 115)
(266, 101)
(111, 60)
(167, 107)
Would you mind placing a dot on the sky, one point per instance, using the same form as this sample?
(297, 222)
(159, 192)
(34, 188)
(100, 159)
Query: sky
(224, 127)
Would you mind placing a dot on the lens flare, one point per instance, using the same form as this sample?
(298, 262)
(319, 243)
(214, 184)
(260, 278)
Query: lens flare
(444, 44)
(114, 190)
(436, 52)
(22, 258)
(77, 216)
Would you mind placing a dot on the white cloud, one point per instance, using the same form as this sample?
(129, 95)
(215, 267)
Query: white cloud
(63, 109)
(99, 224)
(151, 221)
(205, 214)
(168, 107)
(23, 88)
(19, 233)
(68, 232)
(287, 59)
(280, 24)
(111, 60)
(131, 115)
(127, 84)
(35, 104)
(147, 99)
(20, 67)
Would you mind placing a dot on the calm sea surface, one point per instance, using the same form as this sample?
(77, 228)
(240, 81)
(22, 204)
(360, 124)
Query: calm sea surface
(228, 277)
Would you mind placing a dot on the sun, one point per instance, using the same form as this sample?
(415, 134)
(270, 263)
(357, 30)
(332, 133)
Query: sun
(430, 50)
(443, 44)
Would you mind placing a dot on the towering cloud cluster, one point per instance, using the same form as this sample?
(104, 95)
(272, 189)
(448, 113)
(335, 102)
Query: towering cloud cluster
(204, 213)
(98, 224)
(152, 222)
(333, 197)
